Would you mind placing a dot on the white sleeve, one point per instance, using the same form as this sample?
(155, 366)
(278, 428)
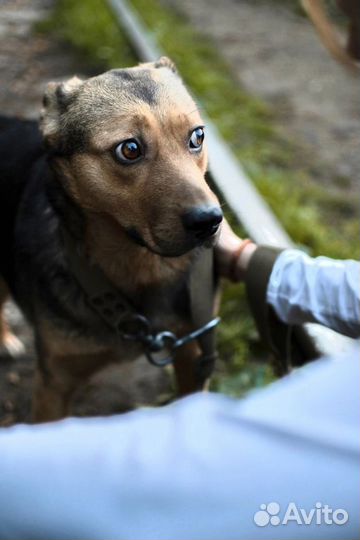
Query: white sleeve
(303, 289)
(201, 469)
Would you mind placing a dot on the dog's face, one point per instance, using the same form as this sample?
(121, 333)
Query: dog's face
(130, 146)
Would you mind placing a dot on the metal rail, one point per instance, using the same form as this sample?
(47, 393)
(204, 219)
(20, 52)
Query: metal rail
(240, 194)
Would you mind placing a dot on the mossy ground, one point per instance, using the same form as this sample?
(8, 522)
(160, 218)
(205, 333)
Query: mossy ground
(319, 219)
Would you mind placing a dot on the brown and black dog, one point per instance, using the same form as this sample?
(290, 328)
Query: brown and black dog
(118, 166)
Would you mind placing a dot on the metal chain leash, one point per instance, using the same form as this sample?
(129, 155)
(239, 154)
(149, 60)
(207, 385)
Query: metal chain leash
(164, 340)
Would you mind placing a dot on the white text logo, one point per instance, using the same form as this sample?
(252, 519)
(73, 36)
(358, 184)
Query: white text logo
(321, 514)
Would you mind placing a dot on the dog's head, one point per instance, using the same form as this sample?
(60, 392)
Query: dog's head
(129, 145)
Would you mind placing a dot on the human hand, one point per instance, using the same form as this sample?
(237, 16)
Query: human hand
(232, 254)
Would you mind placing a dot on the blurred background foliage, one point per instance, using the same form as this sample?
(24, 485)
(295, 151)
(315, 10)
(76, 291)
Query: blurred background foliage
(317, 219)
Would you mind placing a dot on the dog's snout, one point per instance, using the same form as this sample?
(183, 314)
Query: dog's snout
(202, 222)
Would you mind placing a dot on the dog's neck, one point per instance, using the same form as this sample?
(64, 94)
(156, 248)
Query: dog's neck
(128, 265)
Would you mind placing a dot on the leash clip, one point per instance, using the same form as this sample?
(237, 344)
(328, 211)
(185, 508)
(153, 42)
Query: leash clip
(165, 340)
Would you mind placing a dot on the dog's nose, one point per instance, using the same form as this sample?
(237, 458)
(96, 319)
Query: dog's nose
(202, 222)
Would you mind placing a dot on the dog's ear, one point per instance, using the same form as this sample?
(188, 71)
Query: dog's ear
(56, 100)
(165, 62)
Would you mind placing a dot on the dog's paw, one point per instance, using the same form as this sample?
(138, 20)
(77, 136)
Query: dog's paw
(10, 345)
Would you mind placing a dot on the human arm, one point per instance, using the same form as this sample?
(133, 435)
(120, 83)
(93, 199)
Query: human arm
(198, 469)
(286, 288)
(305, 289)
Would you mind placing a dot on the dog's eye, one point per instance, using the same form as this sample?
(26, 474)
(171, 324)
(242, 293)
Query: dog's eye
(196, 139)
(129, 150)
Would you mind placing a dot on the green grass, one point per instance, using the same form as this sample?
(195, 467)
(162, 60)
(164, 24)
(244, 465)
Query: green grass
(90, 28)
(317, 218)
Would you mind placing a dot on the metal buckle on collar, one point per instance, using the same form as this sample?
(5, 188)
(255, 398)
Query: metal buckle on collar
(167, 341)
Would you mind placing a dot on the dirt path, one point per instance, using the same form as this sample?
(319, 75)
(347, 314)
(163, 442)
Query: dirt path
(27, 62)
(277, 56)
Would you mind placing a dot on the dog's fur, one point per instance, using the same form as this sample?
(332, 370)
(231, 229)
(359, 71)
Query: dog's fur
(126, 217)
